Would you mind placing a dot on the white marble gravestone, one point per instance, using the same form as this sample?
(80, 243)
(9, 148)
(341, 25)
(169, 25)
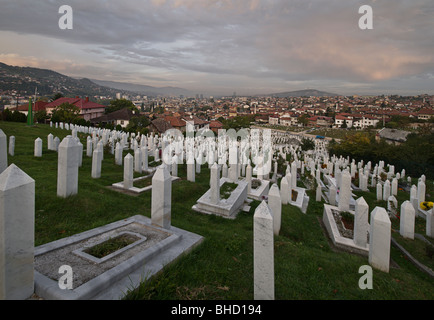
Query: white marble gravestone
(345, 192)
(128, 171)
(407, 218)
(67, 167)
(379, 239)
(17, 224)
(361, 225)
(263, 253)
(3, 152)
(275, 205)
(161, 204)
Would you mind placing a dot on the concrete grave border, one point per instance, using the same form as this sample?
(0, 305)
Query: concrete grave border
(114, 283)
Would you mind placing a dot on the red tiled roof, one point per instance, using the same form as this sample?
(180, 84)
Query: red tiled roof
(175, 121)
(215, 124)
(38, 106)
(81, 103)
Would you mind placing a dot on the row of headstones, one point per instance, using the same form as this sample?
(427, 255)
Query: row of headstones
(17, 213)
(267, 223)
(408, 208)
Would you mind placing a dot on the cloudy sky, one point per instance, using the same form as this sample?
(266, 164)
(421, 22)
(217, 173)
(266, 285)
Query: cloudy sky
(222, 46)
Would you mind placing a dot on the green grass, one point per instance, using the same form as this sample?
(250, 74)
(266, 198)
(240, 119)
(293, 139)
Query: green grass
(221, 267)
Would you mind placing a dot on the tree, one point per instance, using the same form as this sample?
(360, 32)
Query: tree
(41, 116)
(138, 124)
(344, 125)
(66, 112)
(57, 96)
(307, 144)
(119, 104)
(303, 120)
(18, 116)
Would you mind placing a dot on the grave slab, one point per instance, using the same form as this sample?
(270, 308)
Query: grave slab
(111, 279)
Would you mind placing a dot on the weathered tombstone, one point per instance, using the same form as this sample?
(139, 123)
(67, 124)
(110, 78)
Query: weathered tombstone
(361, 226)
(38, 147)
(138, 164)
(191, 169)
(96, 163)
(145, 158)
(67, 168)
(11, 145)
(118, 154)
(224, 170)
(161, 198)
(275, 205)
(379, 191)
(413, 198)
(430, 223)
(3, 152)
(345, 192)
(318, 195)
(379, 239)
(386, 190)
(392, 206)
(263, 253)
(56, 143)
(175, 166)
(406, 223)
(249, 172)
(421, 187)
(394, 186)
(284, 191)
(364, 182)
(80, 152)
(215, 184)
(17, 221)
(332, 195)
(293, 175)
(89, 147)
(128, 171)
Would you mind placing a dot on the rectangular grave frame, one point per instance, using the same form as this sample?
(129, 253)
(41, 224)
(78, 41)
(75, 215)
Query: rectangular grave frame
(338, 240)
(120, 185)
(178, 242)
(81, 251)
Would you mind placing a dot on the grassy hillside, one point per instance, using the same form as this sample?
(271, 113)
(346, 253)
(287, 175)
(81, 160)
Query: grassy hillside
(306, 266)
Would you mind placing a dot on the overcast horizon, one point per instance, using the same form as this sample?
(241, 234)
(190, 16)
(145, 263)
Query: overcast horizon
(217, 47)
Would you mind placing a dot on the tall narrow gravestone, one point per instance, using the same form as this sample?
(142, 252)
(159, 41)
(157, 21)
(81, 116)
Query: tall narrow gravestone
(190, 168)
(67, 168)
(275, 204)
(17, 225)
(361, 226)
(345, 192)
(379, 241)
(161, 204)
(215, 184)
(3, 152)
(128, 171)
(96, 163)
(38, 147)
(263, 253)
(406, 221)
(11, 145)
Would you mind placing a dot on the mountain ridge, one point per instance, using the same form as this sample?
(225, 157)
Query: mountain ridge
(301, 93)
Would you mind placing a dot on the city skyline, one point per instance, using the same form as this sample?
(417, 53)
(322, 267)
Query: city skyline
(221, 47)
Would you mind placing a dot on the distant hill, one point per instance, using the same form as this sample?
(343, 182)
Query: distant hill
(303, 93)
(26, 79)
(48, 83)
(144, 89)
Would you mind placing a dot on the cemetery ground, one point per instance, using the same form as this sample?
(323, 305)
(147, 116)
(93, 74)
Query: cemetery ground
(221, 267)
